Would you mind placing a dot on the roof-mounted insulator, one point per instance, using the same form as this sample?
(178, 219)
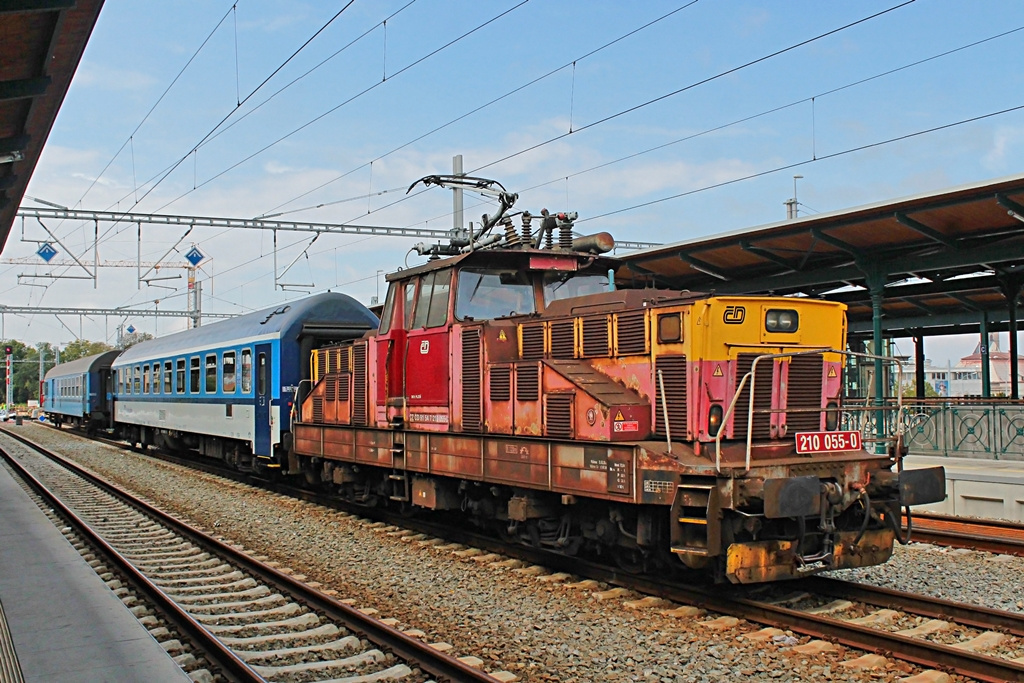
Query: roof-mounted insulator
(511, 236)
(564, 231)
(547, 226)
(527, 233)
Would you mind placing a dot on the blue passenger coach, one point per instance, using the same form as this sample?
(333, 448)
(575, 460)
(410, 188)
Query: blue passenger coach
(227, 389)
(79, 392)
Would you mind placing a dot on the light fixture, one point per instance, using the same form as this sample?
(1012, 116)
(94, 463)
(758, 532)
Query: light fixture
(11, 157)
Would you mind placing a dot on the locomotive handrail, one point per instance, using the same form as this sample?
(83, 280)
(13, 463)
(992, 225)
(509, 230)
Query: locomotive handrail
(750, 408)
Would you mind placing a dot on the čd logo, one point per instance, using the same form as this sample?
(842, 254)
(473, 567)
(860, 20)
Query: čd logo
(734, 315)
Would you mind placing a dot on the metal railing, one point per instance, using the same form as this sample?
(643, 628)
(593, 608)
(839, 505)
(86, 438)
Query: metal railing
(879, 423)
(958, 427)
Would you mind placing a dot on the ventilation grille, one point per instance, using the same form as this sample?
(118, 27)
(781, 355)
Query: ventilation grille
(471, 393)
(321, 363)
(805, 387)
(558, 415)
(527, 382)
(673, 375)
(343, 380)
(595, 337)
(563, 339)
(331, 388)
(533, 341)
(501, 383)
(632, 334)
(318, 410)
(359, 375)
(762, 398)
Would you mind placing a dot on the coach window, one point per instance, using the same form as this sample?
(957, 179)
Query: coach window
(246, 371)
(179, 386)
(157, 377)
(211, 373)
(229, 372)
(145, 379)
(137, 380)
(410, 301)
(193, 375)
(167, 376)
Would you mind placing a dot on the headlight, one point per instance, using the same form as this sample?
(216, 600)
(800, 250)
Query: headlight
(670, 328)
(781, 320)
(714, 420)
(831, 416)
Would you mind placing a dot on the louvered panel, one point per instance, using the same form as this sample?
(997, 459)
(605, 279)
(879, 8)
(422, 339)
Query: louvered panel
(631, 330)
(346, 359)
(331, 388)
(533, 341)
(527, 382)
(335, 360)
(558, 415)
(501, 383)
(596, 337)
(762, 398)
(343, 381)
(673, 376)
(471, 380)
(321, 363)
(805, 387)
(318, 410)
(563, 339)
(359, 390)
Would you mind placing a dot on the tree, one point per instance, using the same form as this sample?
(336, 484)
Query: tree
(910, 390)
(130, 340)
(25, 370)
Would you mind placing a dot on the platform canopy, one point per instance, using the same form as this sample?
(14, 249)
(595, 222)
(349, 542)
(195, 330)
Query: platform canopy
(938, 261)
(41, 44)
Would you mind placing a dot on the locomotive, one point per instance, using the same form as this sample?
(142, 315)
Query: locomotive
(512, 381)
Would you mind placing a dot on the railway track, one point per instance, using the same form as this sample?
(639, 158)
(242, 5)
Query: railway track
(990, 535)
(253, 622)
(873, 619)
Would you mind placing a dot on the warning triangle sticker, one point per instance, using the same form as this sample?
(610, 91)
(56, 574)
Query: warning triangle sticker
(717, 372)
(619, 417)
(831, 372)
(501, 336)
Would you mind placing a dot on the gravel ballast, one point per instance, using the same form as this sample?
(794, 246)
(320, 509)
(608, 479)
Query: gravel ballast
(541, 631)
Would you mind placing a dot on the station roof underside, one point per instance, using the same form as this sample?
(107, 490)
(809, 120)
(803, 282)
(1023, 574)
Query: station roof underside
(942, 260)
(41, 44)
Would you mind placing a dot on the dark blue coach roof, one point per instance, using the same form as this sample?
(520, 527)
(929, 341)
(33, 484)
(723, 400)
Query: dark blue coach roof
(82, 365)
(327, 312)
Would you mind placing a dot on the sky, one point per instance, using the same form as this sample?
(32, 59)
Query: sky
(655, 121)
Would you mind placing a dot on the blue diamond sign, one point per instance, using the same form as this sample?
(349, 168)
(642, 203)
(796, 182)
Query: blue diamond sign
(131, 329)
(46, 251)
(194, 256)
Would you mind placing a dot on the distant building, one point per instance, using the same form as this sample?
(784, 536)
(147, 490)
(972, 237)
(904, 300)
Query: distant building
(964, 378)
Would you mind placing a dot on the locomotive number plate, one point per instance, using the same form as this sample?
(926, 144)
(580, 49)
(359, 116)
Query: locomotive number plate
(825, 442)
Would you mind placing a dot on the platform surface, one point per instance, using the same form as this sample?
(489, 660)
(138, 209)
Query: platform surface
(977, 487)
(65, 623)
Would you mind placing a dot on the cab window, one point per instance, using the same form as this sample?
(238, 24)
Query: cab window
(493, 293)
(410, 301)
(389, 309)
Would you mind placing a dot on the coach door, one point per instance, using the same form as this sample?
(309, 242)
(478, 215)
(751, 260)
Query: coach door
(263, 398)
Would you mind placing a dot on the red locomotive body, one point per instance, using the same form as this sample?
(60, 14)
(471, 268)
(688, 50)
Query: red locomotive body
(515, 385)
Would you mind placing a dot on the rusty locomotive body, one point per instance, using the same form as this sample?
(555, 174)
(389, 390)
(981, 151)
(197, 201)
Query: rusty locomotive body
(514, 384)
